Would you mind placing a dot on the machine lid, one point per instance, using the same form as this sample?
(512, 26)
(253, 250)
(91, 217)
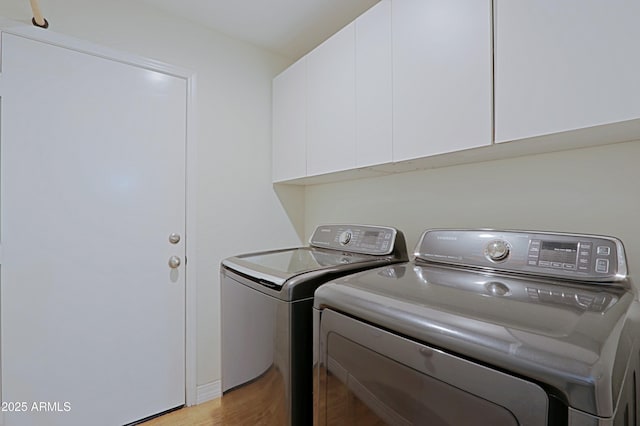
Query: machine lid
(276, 267)
(333, 248)
(566, 335)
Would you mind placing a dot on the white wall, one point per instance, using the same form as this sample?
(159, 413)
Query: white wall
(591, 190)
(238, 210)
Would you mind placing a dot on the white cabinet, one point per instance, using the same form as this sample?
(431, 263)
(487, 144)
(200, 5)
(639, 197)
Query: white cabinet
(331, 104)
(349, 89)
(332, 109)
(289, 153)
(564, 65)
(407, 79)
(442, 76)
(374, 127)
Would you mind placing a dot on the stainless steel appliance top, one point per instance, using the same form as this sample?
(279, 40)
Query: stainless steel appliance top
(479, 294)
(333, 250)
(576, 257)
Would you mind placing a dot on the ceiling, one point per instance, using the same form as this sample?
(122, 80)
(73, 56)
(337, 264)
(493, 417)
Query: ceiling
(288, 27)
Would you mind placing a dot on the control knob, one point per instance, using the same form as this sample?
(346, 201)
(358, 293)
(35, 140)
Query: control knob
(497, 251)
(344, 238)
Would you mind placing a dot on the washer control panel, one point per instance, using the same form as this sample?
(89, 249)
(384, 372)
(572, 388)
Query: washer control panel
(583, 255)
(572, 256)
(365, 239)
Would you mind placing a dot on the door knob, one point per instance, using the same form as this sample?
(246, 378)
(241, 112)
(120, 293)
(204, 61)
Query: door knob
(174, 262)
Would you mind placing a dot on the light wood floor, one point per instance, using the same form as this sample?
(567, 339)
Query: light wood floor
(208, 413)
(252, 404)
(262, 403)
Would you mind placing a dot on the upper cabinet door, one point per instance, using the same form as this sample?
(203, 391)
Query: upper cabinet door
(565, 65)
(442, 76)
(331, 104)
(374, 127)
(289, 156)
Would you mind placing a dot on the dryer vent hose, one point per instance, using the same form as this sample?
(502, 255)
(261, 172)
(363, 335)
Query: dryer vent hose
(38, 20)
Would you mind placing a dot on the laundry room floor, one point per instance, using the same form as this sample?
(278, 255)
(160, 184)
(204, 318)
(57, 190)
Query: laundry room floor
(248, 405)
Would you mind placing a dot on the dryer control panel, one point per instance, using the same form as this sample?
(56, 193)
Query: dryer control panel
(571, 256)
(364, 239)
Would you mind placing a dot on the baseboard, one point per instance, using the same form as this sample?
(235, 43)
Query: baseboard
(208, 392)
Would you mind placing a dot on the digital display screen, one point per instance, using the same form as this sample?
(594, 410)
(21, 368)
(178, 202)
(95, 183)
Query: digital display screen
(370, 237)
(551, 251)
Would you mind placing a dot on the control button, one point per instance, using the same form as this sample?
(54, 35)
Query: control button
(603, 251)
(586, 246)
(534, 249)
(570, 266)
(533, 293)
(533, 263)
(583, 268)
(556, 265)
(345, 237)
(602, 266)
(497, 251)
(544, 263)
(584, 253)
(584, 260)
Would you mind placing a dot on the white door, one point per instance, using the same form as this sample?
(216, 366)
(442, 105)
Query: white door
(93, 184)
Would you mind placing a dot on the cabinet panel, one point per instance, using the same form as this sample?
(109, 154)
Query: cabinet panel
(565, 65)
(289, 156)
(331, 104)
(442, 76)
(374, 130)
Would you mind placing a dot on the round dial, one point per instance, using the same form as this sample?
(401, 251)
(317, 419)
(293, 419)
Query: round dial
(497, 251)
(344, 238)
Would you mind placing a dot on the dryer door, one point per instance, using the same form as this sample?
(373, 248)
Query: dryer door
(366, 375)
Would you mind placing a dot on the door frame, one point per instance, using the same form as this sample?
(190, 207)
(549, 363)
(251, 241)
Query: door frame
(191, 176)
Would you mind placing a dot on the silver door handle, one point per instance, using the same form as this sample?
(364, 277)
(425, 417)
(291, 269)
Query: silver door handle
(174, 262)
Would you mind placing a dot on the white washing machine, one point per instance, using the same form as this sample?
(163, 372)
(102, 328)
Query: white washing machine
(484, 327)
(267, 301)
